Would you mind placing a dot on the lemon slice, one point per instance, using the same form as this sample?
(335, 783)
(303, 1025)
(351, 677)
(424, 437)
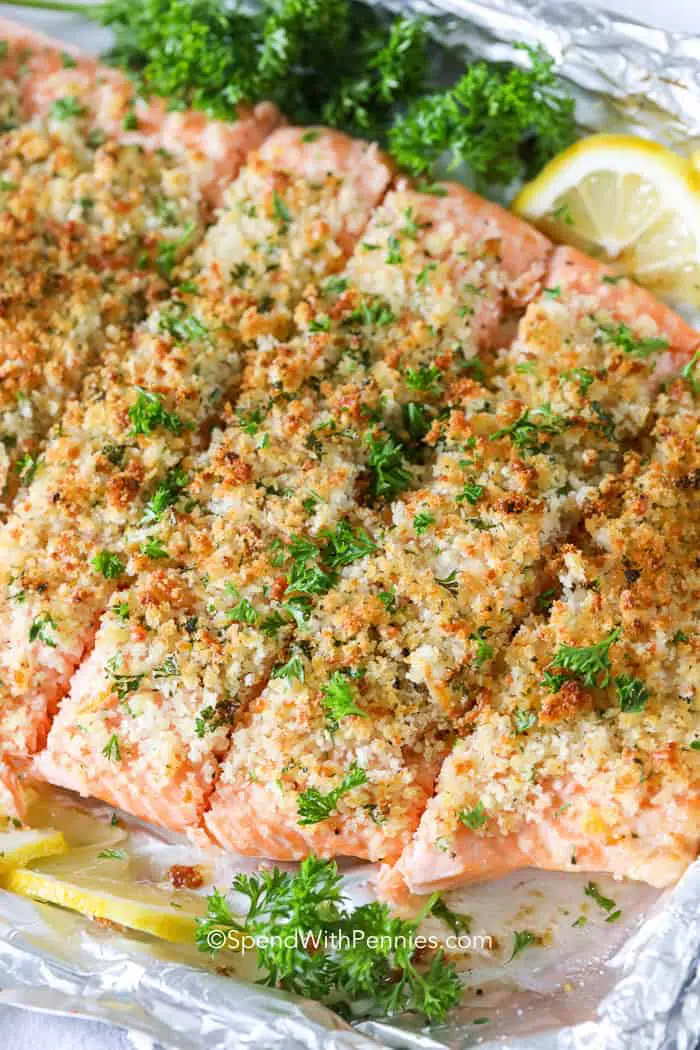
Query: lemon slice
(626, 201)
(79, 827)
(95, 883)
(20, 846)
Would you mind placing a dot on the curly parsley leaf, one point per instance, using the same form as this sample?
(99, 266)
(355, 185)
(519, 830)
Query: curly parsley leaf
(148, 412)
(108, 564)
(338, 701)
(590, 664)
(311, 943)
(503, 121)
(313, 806)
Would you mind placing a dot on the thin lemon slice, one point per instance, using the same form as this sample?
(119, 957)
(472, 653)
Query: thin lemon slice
(79, 827)
(20, 846)
(96, 884)
(629, 202)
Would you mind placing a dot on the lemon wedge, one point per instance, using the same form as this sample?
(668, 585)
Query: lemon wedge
(629, 202)
(96, 883)
(20, 846)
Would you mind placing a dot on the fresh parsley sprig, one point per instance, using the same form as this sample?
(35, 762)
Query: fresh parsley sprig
(503, 121)
(312, 943)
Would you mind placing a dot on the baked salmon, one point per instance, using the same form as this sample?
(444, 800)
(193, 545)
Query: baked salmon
(48, 83)
(584, 754)
(81, 234)
(112, 472)
(285, 467)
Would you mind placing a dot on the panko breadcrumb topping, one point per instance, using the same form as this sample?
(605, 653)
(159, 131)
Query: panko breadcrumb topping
(355, 519)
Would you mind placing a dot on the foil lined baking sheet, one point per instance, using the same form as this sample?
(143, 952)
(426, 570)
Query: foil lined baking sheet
(634, 984)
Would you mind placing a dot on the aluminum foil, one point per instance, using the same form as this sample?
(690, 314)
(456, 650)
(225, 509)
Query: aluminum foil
(632, 985)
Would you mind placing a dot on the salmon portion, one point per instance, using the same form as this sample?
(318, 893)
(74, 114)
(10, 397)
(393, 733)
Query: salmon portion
(283, 469)
(627, 303)
(103, 101)
(597, 768)
(111, 474)
(149, 709)
(81, 235)
(341, 704)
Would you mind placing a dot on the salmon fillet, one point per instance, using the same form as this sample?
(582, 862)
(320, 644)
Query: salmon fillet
(283, 467)
(600, 772)
(111, 474)
(105, 105)
(81, 233)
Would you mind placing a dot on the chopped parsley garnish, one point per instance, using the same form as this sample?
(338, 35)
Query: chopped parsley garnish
(293, 668)
(338, 701)
(153, 548)
(41, 627)
(214, 717)
(123, 684)
(374, 314)
(243, 612)
(111, 854)
(422, 521)
(183, 329)
(111, 750)
(632, 693)
(622, 336)
(423, 378)
(393, 255)
(167, 251)
(320, 324)
(473, 818)
(313, 806)
(26, 467)
(457, 921)
(563, 213)
(484, 651)
(450, 583)
(148, 412)
(388, 600)
(582, 376)
(280, 210)
(108, 564)
(471, 493)
(67, 108)
(345, 545)
(523, 720)
(390, 477)
(121, 611)
(590, 664)
(305, 930)
(678, 637)
(165, 495)
(592, 890)
(545, 600)
(168, 669)
(423, 278)
(525, 432)
(249, 422)
(522, 939)
(416, 420)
